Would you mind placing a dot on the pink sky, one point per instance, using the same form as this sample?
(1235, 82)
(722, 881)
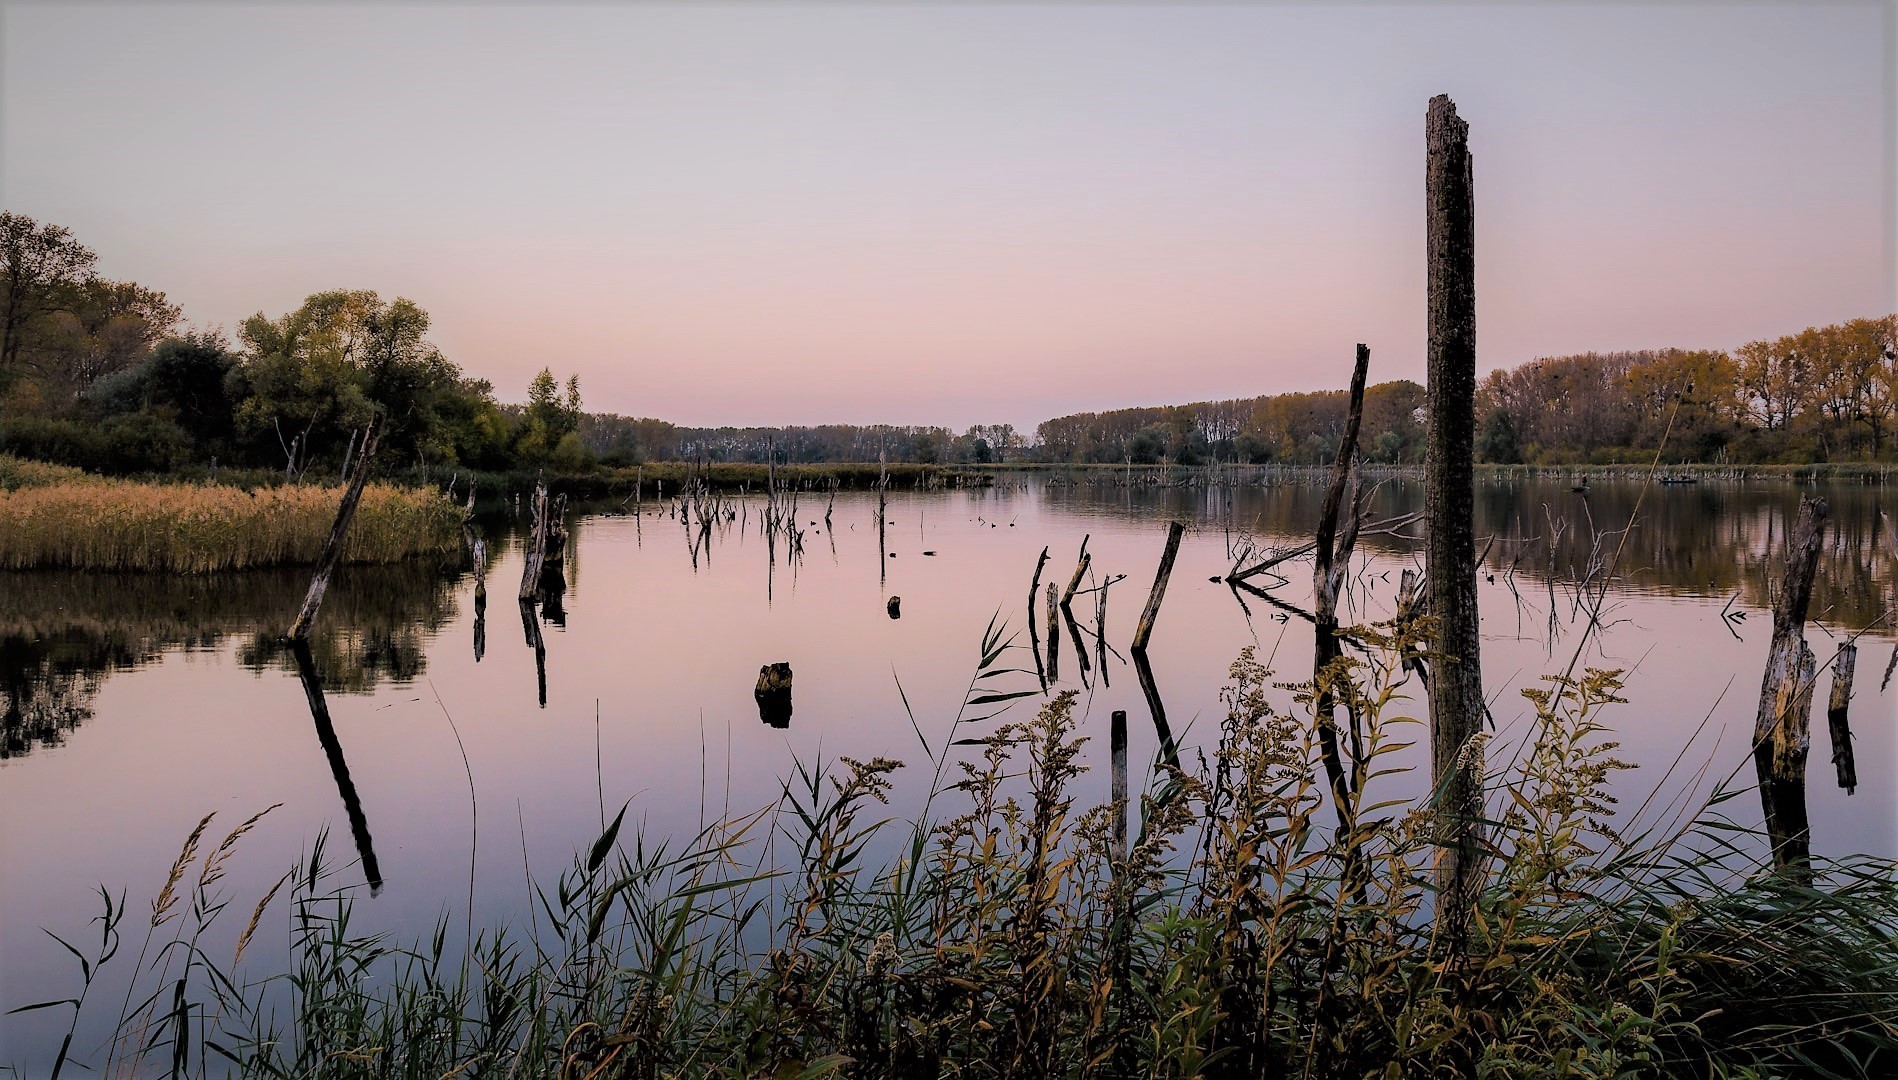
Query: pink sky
(922, 214)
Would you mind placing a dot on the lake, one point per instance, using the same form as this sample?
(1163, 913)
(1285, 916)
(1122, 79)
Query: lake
(135, 705)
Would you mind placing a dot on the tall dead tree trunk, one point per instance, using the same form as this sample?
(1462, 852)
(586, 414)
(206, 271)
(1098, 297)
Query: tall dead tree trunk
(1456, 693)
(339, 531)
(1333, 558)
(1782, 731)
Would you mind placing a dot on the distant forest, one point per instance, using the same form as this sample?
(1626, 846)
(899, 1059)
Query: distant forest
(98, 374)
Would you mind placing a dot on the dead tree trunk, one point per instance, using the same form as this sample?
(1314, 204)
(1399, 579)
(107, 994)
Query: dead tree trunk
(536, 543)
(1034, 637)
(1332, 561)
(1456, 692)
(1837, 723)
(1782, 733)
(339, 531)
(1144, 631)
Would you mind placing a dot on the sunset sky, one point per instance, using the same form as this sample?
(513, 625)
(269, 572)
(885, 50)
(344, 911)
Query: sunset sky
(927, 214)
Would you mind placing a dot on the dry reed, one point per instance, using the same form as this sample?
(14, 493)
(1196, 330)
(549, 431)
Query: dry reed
(198, 529)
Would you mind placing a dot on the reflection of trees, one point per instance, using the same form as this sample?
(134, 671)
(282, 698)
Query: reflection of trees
(61, 632)
(1711, 539)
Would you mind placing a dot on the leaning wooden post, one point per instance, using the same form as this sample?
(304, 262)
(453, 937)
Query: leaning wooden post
(333, 547)
(1836, 721)
(1456, 694)
(1782, 733)
(1144, 631)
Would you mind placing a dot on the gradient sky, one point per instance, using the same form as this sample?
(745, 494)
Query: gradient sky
(933, 214)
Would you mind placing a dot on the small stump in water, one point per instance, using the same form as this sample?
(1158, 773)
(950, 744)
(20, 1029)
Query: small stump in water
(774, 695)
(895, 607)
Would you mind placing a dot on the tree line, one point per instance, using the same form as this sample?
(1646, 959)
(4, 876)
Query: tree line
(1825, 393)
(98, 373)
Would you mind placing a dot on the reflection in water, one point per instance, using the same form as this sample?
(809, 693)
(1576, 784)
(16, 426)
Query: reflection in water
(1169, 752)
(530, 629)
(1716, 538)
(339, 768)
(62, 632)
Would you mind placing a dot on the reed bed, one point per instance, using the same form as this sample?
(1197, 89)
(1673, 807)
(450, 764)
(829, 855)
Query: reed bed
(1006, 932)
(200, 529)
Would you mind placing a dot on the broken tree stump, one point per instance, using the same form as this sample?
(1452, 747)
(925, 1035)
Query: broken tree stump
(1456, 693)
(774, 695)
(1782, 729)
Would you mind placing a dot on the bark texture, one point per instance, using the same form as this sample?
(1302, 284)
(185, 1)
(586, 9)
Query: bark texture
(1456, 692)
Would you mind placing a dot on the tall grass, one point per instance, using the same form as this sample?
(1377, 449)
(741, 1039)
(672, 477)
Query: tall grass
(197, 529)
(1241, 934)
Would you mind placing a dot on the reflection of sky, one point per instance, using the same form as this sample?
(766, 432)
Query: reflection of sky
(924, 214)
(670, 658)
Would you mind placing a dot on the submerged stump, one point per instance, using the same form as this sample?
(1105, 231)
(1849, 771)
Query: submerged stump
(774, 695)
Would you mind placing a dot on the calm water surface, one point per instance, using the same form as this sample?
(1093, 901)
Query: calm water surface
(135, 705)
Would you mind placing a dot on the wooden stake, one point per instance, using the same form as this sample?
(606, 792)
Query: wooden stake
(1174, 530)
(333, 547)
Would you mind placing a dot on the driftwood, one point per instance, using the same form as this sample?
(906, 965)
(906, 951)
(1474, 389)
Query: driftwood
(339, 531)
(1456, 693)
(1782, 730)
(1144, 631)
(1837, 723)
(339, 768)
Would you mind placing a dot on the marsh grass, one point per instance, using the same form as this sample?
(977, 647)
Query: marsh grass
(1241, 935)
(99, 524)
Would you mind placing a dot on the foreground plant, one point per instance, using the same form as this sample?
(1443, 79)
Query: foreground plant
(1242, 934)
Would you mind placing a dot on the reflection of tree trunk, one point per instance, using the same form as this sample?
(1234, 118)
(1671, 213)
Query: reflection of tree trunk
(530, 626)
(339, 769)
(480, 625)
(1144, 671)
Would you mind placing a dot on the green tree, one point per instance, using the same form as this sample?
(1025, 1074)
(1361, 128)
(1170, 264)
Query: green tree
(1496, 441)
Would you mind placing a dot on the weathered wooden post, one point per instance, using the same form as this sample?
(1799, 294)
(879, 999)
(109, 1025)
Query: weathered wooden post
(1456, 693)
(1117, 792)
(1034, 637)
(1782, 734)
(1837, 722)
(1144, 631)
(339, 531)
(1054, 636)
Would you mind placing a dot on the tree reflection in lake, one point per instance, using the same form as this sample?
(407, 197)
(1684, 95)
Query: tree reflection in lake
(63, 632)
